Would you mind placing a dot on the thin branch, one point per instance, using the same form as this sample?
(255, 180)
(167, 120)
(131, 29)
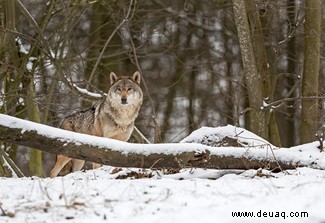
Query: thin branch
(141, 135)
(278, 103)
(321, 142)
(292, 32)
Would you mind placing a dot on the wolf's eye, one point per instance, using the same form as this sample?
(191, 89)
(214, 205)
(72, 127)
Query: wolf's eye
(119, 89)
(130, 89)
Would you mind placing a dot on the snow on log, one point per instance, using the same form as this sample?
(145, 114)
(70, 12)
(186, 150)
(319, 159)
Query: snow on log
(254, 153)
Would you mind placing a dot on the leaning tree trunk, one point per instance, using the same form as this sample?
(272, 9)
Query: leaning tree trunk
(309, 115)
(254, 79)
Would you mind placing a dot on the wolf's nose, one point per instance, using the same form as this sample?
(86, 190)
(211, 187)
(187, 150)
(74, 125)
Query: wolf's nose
(124, 100)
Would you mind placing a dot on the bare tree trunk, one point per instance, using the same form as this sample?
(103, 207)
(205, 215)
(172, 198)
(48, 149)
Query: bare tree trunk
(310, 108)
(289, 121)
(35, 156)
(254, 79)
(191, 108)
(287, 84)
(262, 65)
(230, 97)
(170, 98)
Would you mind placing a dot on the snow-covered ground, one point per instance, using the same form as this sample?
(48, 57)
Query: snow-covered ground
(190, 196)
(129, 195)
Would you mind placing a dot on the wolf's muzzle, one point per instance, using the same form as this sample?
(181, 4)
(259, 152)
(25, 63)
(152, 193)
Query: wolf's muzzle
(124, 100)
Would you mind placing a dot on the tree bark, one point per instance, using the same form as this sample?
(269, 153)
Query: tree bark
(262, 66)
(35, 156)
(288, 121)
(111, 152)
(310, 108)
(253, 78)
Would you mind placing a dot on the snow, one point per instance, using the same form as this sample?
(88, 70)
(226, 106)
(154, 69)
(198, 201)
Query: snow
(22, 49)
(216, 134)
(95, 196)
(110, 194)
(255, 146)
(86, 92)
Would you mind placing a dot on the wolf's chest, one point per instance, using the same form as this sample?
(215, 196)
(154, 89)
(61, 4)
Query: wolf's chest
(122, 133)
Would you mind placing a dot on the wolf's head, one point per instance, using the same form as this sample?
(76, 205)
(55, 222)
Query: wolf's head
(125, 90)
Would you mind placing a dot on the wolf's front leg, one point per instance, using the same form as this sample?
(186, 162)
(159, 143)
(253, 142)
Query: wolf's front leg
(61, 161)
(77, 164)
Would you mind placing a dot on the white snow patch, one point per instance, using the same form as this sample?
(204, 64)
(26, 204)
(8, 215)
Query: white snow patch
(86, 92)
(95, 196)
(216, 134)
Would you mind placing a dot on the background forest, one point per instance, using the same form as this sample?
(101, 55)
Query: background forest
(257, 64)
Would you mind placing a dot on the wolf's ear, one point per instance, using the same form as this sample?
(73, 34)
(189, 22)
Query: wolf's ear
(136, 77)
(112, 78)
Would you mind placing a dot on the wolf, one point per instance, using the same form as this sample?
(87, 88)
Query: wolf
(112, 118)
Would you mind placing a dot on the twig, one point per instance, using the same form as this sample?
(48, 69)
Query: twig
(276, 160)
(3, 211)
(277, 103)
(141, 135)
(158, 160)
(321, 141)
(63, 193)
(291, 34)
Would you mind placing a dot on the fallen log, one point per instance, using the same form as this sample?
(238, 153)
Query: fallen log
(167, 155)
